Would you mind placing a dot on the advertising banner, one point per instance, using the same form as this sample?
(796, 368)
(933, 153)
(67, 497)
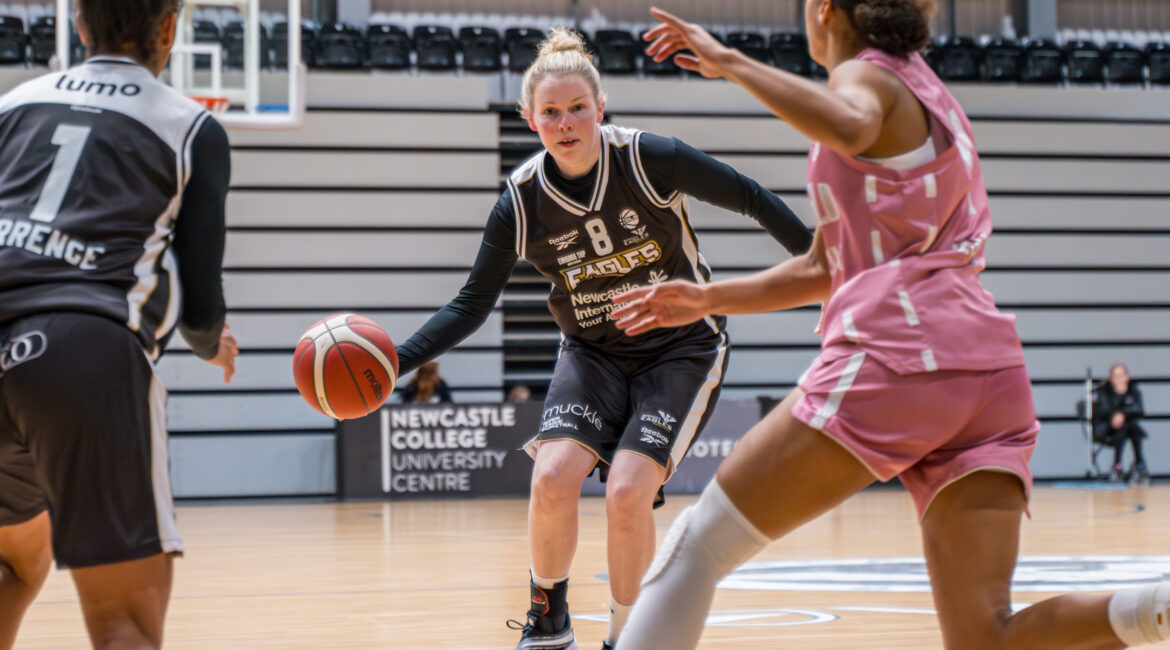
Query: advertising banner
(470, 450)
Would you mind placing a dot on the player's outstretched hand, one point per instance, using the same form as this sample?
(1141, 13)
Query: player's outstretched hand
(225, 358)
(675, 35)
(670, 304)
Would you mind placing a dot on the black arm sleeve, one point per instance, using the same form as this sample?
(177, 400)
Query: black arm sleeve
(671, 165)
(199, 237)
(471, 307)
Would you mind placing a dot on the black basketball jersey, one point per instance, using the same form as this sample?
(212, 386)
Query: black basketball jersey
(93, 164)
(625, 237)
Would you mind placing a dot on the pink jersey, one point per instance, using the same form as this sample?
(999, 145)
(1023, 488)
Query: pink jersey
(905, 249)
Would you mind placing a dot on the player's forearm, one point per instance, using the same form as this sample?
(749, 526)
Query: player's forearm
(811, 108)
(793, 283)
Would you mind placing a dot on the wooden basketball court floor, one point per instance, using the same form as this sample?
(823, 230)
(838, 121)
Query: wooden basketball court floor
(447, 574)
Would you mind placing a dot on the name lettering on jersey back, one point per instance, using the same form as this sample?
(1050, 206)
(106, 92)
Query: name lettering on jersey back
(49, 242)
(617, 264)
(97, 87)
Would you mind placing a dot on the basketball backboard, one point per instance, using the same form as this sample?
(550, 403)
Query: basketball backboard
(248, 105)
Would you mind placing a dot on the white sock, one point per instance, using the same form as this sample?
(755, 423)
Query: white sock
(618, 613)
(1141, 615)
(546, 583)
(705, 543)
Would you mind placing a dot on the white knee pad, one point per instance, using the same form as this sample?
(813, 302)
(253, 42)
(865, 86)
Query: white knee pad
(1141, 615)
(705, 543)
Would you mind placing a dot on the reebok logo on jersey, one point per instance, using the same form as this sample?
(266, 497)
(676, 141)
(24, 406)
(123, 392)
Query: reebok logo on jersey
(652, 437)
(617, 264)
(657, 276)
(565, 240)
(26, 347)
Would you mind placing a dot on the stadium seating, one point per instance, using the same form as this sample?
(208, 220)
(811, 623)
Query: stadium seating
(1043, 61)
(655, 68)
(1002, 60)
(483, 49)
(206, 32)
(959, 59)
(1086, 64)
(789, 52)
(340, 46)
(42, 39)
(233, 46)
(751, 44)
(1124, 63)
(280, 44)
(520, 43)
(482, 43)
(388, 47)
(1158, 59)
(435, 48)
(617, 51)
(12, 40)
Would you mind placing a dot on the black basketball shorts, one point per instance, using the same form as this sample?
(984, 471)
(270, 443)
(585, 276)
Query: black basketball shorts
(83, 434)
(655, 406)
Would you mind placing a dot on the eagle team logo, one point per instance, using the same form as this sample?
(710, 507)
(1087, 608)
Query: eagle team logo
(617, 264)
(630, 220)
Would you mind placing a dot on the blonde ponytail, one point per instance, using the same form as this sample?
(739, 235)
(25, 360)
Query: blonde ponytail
(561, 53)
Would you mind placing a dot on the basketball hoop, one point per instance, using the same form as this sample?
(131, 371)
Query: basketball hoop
(217, 105)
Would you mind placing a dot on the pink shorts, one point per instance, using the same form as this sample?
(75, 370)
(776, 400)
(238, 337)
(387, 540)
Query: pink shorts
(929, 429)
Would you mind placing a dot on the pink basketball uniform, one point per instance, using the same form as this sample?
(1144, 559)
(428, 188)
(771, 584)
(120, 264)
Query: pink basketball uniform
(920, 375)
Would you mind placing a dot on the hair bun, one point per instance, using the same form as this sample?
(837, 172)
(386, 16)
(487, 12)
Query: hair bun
(897, 27)
(562, 39)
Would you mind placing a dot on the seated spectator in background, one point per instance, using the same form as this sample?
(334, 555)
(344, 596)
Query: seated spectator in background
(519, 393)
(426, 386)
(1117, 407)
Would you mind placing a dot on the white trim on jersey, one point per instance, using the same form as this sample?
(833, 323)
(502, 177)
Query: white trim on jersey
(519, 176)
(159, 243)
(602, 184)
(160, 473)
(561, 199)
(644, 180)
(154, 246)
(174, 295)
(174, 299)
(681, 209)
(521, 221)
(599, 185)
(702, 404)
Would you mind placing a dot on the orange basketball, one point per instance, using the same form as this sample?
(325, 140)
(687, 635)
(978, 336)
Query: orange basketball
(345, 366)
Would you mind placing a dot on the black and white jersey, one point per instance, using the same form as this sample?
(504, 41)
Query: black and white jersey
(623, 224)
(94, 164)
(625, 236)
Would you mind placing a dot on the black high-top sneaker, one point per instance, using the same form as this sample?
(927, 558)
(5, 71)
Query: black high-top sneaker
(548, 626)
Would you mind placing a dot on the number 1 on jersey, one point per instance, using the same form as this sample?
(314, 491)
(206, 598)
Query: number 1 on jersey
(71, 140)
(597, 232)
